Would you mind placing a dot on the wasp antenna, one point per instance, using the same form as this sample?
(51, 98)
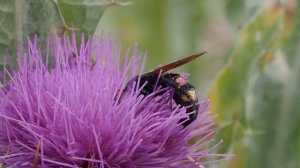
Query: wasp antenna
(175, 64)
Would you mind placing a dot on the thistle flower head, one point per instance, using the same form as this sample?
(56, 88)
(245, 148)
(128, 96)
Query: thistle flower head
(66, 110)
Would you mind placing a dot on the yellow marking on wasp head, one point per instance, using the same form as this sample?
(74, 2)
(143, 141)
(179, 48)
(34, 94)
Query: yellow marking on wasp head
(180, 81)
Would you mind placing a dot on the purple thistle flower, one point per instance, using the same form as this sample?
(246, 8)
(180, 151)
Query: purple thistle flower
(71, 114)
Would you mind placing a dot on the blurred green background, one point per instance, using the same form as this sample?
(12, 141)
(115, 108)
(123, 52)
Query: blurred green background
(251, 72)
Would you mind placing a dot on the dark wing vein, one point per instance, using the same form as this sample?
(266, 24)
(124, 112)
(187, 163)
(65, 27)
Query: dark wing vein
(173, 65)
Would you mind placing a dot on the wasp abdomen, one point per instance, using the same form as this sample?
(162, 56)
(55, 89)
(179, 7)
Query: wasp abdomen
(184, 94)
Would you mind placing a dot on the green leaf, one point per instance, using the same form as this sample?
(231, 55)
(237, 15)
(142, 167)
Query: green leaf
(273, 104)
(83, 15)
(227, 94)
(21, 19)
(258, 89)
(7, 28)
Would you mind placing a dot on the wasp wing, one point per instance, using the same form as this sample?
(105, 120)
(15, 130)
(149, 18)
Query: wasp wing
(173, 65)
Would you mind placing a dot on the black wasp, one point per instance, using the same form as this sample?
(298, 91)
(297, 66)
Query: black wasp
(184, 92)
